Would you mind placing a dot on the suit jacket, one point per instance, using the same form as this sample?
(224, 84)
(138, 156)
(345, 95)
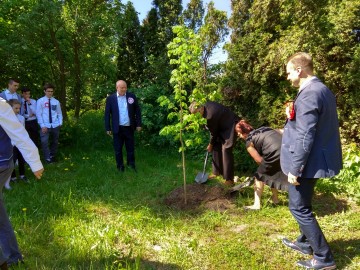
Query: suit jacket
(220, 122)
(311, 141)
(112, 112)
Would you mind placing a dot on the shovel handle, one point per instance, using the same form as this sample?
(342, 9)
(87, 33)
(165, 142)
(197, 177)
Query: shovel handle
(206, 158)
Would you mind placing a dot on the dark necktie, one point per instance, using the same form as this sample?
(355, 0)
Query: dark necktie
(50, 117)
(25, 107)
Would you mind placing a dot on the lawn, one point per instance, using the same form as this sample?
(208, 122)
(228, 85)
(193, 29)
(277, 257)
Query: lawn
(84, 214)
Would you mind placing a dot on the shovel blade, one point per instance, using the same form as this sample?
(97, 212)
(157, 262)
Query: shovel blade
(201, 177)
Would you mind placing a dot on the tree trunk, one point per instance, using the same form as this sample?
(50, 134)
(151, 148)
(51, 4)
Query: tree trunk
(77, 71)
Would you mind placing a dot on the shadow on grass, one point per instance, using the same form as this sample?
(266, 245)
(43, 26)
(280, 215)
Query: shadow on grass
(345, 251)
(326, 204)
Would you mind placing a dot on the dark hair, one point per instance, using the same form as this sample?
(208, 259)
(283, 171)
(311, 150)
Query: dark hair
(13, 102)
(48, 85)
(243, 127)
(12, 80)
(25, 89)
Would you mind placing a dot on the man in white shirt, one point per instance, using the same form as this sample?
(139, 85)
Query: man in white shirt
(10, 93)
(50, 119)
(11, 131)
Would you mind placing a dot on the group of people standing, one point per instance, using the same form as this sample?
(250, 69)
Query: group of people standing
(308, 148)
(23, 121)
(293, 159)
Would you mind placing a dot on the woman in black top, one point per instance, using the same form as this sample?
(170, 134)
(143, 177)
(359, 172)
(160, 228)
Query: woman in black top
(263, 145)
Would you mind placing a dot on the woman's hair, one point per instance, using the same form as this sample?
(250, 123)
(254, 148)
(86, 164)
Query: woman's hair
(243, 127)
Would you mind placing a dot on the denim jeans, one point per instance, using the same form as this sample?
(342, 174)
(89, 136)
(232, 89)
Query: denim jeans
(300, 205)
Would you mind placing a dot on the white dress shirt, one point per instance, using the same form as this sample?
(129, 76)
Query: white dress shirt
(42, 112)
(31, 109)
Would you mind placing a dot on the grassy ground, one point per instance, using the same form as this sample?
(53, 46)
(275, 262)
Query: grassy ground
(84, 214)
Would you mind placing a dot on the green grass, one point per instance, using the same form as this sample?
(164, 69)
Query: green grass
(84, 214)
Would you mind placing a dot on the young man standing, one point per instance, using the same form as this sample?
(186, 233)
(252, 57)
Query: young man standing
(10, 93)
(310, 150)
(50, 119)
(28, 110)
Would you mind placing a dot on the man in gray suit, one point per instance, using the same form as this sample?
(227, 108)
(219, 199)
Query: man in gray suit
(310, 150)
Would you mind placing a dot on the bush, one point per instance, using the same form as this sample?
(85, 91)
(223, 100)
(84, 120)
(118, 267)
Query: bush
(348, 180)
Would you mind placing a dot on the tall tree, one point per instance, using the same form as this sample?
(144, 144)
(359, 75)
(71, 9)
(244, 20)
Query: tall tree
(194, 14)
(130, 61)
(212, 33)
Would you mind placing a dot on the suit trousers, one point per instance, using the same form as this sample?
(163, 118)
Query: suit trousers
(17, 156)
(32, 128)
(124, 136)
(45, 137)
(300, 205)
(223, 161)
(8, 242)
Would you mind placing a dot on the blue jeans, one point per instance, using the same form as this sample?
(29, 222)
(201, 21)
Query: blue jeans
(54, 133)
(8, 243)
(300, 205)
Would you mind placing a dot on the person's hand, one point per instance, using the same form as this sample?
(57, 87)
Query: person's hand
(209, 148)
(138, 128)
(109, 133)
(44, 129)
(38, 174)
(292, 179)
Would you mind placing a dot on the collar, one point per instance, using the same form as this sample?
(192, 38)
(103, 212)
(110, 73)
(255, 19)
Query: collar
(117, 94)
(307, 82)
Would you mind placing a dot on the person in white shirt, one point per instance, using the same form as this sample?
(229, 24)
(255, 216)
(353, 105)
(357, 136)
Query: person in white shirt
(28, 110)
(11, 131)
(50, 119)
(10, 93)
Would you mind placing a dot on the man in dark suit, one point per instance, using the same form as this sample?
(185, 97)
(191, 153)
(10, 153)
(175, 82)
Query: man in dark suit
(123, 111)
(310, 150)
(221, 123)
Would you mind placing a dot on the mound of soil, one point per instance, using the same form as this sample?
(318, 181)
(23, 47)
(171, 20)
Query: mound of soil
(200, 195)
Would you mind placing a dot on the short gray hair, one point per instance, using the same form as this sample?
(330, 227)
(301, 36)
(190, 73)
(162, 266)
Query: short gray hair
(195, 106)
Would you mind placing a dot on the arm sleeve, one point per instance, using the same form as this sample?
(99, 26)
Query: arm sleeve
(39, 114)
(59, 113)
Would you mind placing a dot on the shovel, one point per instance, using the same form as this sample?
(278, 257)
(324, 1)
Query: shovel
(248, 182)
(202, 177)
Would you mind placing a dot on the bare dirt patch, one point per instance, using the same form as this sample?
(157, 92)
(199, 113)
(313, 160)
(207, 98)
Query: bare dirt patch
(200, 196)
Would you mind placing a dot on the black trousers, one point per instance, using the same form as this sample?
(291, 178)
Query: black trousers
(17, 156)
(124, 136)
(32, 128)
(300, 205)
(223, 161)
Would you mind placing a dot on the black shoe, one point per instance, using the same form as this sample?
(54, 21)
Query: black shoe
(314, 264)
(121, 169)
(53, 159)
(297, 247)
(48, 161)
(24, 178)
